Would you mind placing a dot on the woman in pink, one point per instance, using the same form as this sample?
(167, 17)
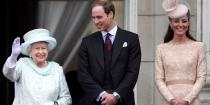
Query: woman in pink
(180, 61)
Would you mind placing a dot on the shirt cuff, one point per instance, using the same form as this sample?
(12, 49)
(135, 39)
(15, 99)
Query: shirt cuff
(100, 95)
(116, 95)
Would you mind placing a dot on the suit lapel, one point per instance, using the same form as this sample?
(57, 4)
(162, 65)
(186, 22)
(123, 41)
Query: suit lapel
(117, 46)
(99, 49)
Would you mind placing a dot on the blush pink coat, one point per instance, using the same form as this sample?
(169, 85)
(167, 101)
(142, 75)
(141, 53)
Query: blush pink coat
(180, 62)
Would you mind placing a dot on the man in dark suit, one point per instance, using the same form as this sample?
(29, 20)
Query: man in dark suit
(109, 60)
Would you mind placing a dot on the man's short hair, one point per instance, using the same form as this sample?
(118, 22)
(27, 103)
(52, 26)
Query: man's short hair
(107, 5)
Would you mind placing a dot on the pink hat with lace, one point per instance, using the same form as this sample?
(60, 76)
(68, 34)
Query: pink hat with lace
(174, 9)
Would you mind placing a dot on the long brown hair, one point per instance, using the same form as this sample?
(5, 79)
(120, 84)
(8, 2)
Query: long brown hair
(170, 33)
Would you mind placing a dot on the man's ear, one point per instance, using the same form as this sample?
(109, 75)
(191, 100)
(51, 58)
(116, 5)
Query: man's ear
(111, 15)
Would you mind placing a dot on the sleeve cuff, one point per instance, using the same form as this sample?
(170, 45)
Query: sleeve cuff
(100, 95)
(187, 99)
(169, 99)
(116, 95)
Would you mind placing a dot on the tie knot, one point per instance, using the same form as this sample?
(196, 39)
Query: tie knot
(108, 35)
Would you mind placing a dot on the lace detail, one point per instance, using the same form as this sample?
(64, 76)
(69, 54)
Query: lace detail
(180, 62)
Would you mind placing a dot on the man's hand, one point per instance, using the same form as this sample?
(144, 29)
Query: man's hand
(108, 99)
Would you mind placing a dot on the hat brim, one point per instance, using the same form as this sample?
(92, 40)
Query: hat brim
(26, 45)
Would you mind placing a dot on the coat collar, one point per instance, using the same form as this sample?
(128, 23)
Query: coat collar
(117, 46)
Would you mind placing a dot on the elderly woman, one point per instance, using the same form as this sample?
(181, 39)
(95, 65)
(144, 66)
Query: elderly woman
(37, 81)
(180, 61)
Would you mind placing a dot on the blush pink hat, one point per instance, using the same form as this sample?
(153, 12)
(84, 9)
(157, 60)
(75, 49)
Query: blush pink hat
(174, 9)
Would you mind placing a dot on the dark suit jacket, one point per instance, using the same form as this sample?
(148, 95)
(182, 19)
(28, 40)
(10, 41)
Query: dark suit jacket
(124, 67)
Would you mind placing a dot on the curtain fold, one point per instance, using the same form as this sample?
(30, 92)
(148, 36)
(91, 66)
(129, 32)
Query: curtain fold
(69, 22)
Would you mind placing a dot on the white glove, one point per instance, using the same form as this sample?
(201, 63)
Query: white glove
(16, 49)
